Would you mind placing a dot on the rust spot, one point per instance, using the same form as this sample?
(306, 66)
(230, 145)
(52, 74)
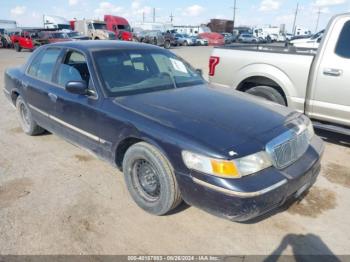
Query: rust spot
(83, 158)
(317, 201)
(14, 190)
(338, 174)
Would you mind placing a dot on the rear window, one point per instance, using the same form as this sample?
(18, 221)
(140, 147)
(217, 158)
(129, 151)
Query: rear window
(343, 46)
(42, 67)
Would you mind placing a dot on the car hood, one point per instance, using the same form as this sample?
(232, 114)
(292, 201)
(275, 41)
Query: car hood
(218, 118)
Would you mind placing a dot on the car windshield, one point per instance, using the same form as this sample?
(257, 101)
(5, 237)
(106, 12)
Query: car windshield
(58, 35)
(73, 34)
(124, 27)
(100, 26)
(128, 72)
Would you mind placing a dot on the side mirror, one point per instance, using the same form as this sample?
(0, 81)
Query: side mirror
(77, 87)
(199, 71)
(319, 40)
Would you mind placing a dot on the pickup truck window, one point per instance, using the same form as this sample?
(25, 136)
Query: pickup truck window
(74, 68)
(43, 66)
(130, 72)
(343, 45)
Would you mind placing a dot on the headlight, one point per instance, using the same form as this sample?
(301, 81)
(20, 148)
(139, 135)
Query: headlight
(304, 123)
(236, 168)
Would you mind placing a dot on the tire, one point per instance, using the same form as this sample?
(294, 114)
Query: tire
(156, 191)
(267, 93)
(17, 47)
(28, 125)
(185, 43)
(167, 44)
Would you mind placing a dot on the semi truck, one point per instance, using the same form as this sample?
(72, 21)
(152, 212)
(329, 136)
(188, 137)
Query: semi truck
(312, 81)
(94, 29)
(120, 26)
(55, 22)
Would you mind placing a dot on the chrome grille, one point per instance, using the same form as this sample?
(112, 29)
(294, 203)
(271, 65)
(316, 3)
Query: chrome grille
(288, 148)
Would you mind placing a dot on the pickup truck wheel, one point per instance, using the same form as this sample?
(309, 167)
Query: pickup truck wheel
(29, 126)
(150, 179)
(267, 93)
(17, 47)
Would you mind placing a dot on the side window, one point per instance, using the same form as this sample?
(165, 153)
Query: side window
(74, 68)
(43, 65)
(90, 26)
(343, 46)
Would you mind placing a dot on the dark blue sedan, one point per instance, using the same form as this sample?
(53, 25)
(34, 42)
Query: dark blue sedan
(175, 138)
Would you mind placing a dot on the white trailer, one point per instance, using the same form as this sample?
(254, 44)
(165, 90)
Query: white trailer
(55, 22)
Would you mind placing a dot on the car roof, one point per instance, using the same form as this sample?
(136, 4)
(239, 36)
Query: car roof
(94, 45)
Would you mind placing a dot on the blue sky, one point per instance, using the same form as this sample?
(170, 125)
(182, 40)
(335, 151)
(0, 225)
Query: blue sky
(252, 12)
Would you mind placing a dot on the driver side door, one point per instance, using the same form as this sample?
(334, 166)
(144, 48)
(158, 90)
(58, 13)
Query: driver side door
(77, 116)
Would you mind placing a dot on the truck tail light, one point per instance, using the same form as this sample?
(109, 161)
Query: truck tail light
(213, 62)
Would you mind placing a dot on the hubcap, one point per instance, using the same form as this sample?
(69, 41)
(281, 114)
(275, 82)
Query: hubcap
(147, 179)
(25, 115)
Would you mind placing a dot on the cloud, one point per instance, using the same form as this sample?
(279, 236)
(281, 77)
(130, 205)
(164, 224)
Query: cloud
(325, 3)
(269, 5)
(18, 10)
(107, 8)
(73, 2)
(193, 10)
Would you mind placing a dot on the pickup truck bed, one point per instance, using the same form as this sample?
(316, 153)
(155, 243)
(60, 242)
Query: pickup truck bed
(289, 67)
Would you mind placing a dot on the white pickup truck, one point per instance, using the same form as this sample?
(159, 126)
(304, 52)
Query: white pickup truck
(315, 82)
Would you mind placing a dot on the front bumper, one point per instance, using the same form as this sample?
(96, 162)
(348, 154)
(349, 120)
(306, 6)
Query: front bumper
(252, 196)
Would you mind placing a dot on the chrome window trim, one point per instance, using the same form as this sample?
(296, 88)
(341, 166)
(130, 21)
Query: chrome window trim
(237, 193)
(95, 95)
(72, 127)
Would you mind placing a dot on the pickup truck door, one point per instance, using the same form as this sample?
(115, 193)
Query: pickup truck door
(330, 96)
(37, 86)
(77, 116)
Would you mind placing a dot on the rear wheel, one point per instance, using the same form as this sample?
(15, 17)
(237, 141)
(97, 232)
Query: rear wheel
(267, 93)
(29, 126)
(150, 179)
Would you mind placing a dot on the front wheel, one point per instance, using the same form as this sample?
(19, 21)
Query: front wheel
(150, 179)
(29, 126)
(167, 45)
(267, 93)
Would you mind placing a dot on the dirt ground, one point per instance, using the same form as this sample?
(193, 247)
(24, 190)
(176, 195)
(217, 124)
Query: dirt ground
(57, 199)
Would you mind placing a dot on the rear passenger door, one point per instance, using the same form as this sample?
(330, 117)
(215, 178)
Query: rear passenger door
(77, 117)
(38, 88)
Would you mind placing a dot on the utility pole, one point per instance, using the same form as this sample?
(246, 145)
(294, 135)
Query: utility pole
(234, 13)
(295, 18)
(318, 18)
(154, 15)
(143, 17)
(171, 18)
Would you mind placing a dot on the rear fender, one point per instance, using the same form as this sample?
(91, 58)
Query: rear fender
(271, 72)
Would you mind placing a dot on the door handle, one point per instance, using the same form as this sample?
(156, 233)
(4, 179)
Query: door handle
(332, 72)
(53, 97)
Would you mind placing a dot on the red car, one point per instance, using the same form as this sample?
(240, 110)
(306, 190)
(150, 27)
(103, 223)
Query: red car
(214, 39)
(28, 39)
(120, 26)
